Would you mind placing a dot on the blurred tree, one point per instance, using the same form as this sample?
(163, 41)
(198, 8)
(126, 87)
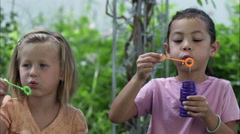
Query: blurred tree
(8, 38)
(226, 63)
(92, 52)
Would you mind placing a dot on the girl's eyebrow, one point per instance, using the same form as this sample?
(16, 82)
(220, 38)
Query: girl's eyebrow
(194, 32)
(23, 61)
(177, 33)
(40, 61)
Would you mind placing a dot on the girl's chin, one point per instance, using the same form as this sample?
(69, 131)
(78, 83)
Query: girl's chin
(185, 69)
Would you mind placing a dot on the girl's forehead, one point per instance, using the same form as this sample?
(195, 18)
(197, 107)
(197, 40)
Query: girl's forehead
(192, 24)
(39, 49)
(51, 45)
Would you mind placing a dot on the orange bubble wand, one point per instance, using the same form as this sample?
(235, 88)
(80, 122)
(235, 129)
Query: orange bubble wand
(189, 62)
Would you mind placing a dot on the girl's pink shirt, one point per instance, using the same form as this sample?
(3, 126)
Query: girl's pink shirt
(160, 98)
(17, 116)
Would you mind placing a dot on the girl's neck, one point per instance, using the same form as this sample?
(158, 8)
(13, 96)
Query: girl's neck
(42, 104)
(198, 77)
(44, 110)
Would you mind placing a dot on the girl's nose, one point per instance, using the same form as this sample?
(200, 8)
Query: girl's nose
(187, 46)
(33, 71)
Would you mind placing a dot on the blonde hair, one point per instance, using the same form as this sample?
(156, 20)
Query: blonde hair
(68, 69)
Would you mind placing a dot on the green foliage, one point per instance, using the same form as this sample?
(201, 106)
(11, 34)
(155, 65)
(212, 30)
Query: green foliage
(92, 52)
(8, 37)
(200, 2)
(206, 1)
(226, 63)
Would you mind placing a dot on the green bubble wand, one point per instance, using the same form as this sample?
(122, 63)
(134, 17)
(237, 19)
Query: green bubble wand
(26, 89)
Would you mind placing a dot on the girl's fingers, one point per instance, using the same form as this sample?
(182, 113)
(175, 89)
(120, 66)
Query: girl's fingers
(2, 95)
(195, 114)
(196, 98)
(148, 60)
(2, 82)
(144, 68)
(149, 57)
(2, 92)
(196, 109)
(3, 87)
(6, 98)
(196, 103)
(145, 64)
(155, 55)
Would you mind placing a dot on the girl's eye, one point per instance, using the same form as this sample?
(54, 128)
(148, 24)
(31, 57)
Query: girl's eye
(26, 65)
(43, 65)
(177, 41)
(197, 40)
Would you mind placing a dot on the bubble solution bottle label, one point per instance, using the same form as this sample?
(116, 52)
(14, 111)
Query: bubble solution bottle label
(188, 88)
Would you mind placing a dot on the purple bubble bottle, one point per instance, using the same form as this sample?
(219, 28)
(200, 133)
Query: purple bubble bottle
(188, 88)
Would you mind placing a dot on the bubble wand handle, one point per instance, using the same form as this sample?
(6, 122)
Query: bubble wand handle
(26, 89)
(165, 57)
(189, 62)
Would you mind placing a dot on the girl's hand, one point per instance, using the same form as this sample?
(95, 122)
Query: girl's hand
(145, 64)
(199, 105)
(3, 90)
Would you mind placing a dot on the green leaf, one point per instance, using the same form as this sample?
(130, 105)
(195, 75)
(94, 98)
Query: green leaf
(213, 3)
(200, 2)
(206, 1)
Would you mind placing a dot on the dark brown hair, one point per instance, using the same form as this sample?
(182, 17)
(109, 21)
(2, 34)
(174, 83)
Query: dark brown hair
(199, 14)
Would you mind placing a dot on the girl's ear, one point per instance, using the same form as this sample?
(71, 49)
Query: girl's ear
(214, 48)
(61, 76)
(167, 49)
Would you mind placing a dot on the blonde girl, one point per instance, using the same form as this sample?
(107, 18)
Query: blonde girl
(42, 60)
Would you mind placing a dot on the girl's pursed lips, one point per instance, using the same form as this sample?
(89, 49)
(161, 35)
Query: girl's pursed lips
(186, 56)
(32, 83)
